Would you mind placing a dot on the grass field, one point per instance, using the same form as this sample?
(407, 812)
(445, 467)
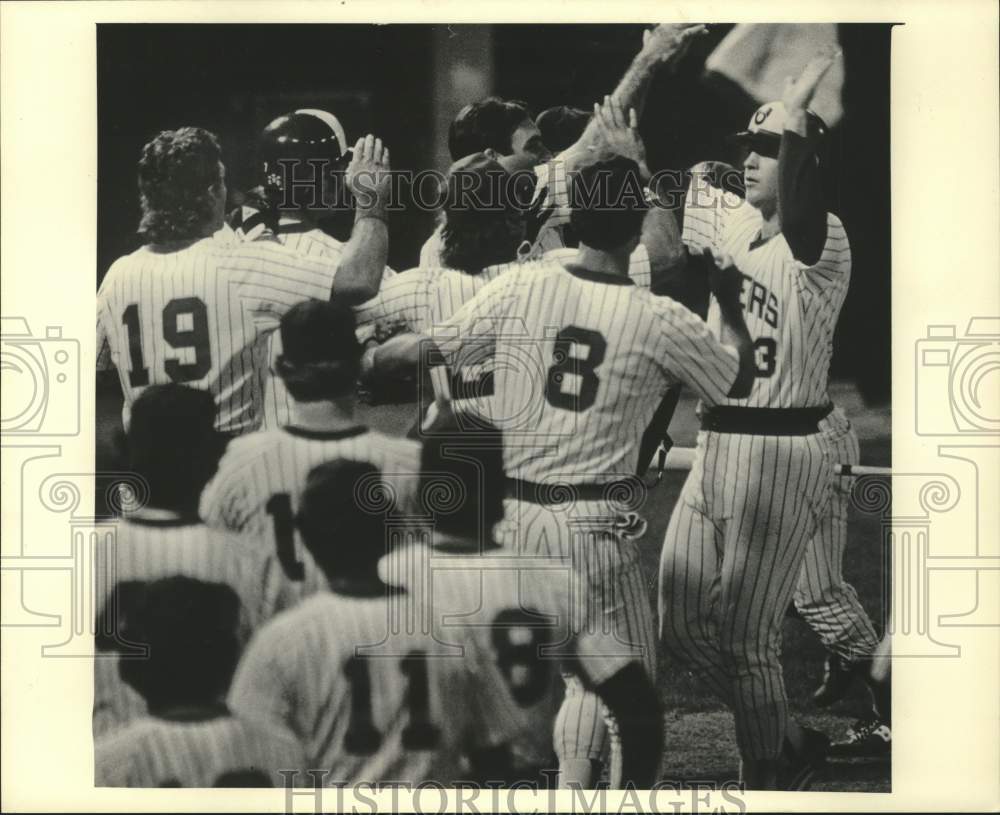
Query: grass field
(699, 731)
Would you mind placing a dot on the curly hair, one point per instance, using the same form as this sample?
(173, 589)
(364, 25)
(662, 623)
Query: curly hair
(176, 171)
(485, 241)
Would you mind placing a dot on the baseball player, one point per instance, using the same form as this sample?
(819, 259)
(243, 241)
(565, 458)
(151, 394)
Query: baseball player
(260, 479)
(194, 306)
(189, 738)
(172, 446)
(360, 714)
(481, 235)
(737, 538)
(823, 599)
(582, 354)
(304, 146)
(513, 617)
(504, 132)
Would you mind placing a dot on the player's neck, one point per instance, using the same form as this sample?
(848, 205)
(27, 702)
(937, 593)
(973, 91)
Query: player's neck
(614, 262)
(771, 223)
(328, 415)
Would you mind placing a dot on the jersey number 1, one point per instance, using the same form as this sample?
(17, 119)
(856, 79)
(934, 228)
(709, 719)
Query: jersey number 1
(420, 733)
(192, 335)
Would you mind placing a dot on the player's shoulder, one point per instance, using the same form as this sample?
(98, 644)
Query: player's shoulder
(245, 449)
(127, 265)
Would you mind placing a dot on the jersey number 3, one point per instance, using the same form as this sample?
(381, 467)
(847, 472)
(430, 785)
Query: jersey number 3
(568, 365)
(765, 351)
(185, 325)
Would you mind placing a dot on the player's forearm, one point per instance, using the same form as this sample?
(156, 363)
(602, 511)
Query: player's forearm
(800, 196)
(635, 706)
(363, 260)
(736, 335)
(662, 238)
(630, 92)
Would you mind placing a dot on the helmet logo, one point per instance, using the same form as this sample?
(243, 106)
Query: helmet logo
(761, 115)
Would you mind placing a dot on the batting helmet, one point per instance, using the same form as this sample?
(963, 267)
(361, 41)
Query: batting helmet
(303, 135)
(763, 134)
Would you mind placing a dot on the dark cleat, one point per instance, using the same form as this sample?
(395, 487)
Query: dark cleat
(867, 738)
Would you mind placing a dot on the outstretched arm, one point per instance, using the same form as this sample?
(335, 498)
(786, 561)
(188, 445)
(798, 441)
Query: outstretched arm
(662, 45)
(365, 254)
(800, 196)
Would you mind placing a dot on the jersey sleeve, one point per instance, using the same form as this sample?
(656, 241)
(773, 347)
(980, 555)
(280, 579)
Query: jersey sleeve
(688, 351)
(402, 302)
(480, 320)
(270, 278)
(707, 210)
(430, 252)
(105, 357)
(833, 268)
(224, 502)
(260, 691)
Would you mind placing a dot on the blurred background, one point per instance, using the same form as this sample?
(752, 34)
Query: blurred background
(406, 82)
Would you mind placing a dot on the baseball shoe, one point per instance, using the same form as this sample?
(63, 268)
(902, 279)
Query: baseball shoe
(799, 767)
(866, 738)
(837, 678)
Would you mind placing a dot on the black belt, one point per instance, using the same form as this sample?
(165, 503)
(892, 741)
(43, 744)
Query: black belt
(764, 421)
(559, 492)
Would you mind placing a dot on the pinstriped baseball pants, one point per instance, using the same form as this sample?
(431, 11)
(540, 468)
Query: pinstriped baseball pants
(828, 604)
(731, 559)
(616, 604)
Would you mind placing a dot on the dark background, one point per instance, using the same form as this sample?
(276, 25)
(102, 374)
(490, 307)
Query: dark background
(233, 79)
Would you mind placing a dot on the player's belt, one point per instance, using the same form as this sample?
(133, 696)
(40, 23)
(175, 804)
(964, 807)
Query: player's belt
(764, 421)
(559, 492)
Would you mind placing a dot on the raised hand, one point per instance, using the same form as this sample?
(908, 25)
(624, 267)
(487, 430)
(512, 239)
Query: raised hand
(667, 42)
(618, 133)
(799, 92)
(368, 177)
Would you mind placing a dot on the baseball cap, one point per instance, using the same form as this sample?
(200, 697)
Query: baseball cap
(763, 134)
(477, 186)
(318, 331)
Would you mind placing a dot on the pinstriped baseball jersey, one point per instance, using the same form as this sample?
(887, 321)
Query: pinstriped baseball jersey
(313, 242)
(361, 717)
(582, 361)
(513, 618)
(791, 309)
(425, 296)
(260, 479)
(222, 751)
(144, 551)
(201, 316)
